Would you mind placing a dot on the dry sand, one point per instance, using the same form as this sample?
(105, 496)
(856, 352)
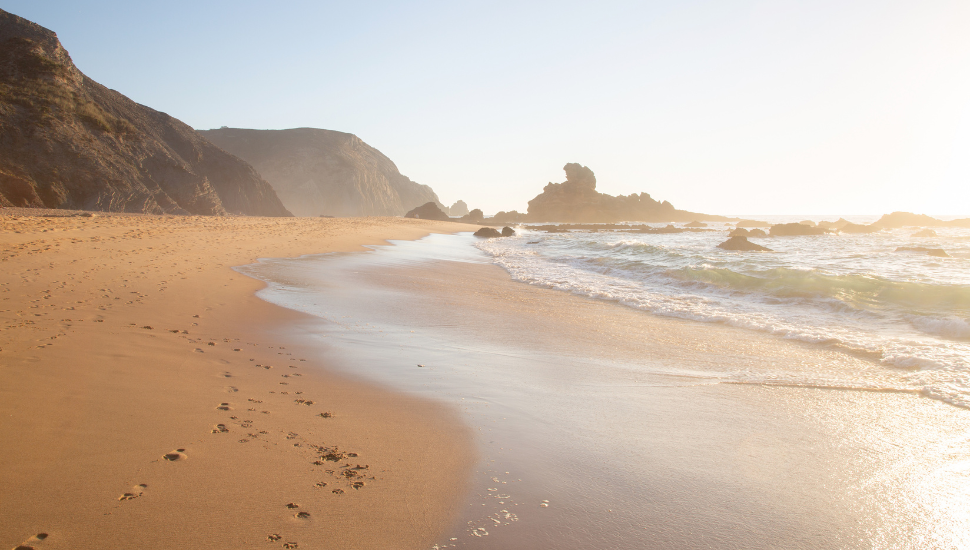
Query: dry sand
(145, 402)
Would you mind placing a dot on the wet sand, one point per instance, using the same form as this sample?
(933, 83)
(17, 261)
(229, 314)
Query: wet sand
(600, 426)
(148, 401)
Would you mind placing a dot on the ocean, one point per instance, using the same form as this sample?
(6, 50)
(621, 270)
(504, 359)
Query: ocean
(908, 311)
(653, 391)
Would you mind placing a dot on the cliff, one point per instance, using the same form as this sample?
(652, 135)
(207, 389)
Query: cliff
(69, 142)
(576, 200)
(323, 172)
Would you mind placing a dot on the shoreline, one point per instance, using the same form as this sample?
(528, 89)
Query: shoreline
(623, 423)
(118, 348)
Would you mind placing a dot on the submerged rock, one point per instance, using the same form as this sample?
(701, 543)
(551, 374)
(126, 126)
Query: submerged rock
(488, 232)
(742, 244)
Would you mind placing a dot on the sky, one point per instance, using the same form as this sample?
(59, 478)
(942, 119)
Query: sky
(727, 107)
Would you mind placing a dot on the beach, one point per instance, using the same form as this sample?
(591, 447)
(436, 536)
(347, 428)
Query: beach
(410, 394)
(148, 401)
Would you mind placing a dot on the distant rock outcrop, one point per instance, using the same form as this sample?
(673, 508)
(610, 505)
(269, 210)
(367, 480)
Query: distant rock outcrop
(859, 229)
(68, 142)
(695, 224)
(752, 223)
(576, 200)
(488, 232)
(742, 244)
(794, 230)
(458, 209)
(908, 219)
(475, 216)
(836, 225)
(318, 171)
(428, 211)
(925, 233)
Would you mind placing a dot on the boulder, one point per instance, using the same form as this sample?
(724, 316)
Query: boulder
(936, 252)
(428, 211)
(508, 231)
(488, 232)
(742, 244)
(475, 216)
(925, 233)
(757, 233)
(794, 230)
(739, 232)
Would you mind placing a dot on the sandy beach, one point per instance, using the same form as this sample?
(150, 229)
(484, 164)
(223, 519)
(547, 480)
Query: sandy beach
(148, 403)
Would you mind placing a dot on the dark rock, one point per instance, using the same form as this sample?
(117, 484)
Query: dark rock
(925, 233)
(317, 171)
(794, 229)
(742, 244)
(475, 216)
(68, 142)
(507, 231)
(488, 232)
(937, 252)
(757, 233)
(458, 209)
(576, 200)
(907, 219)
(428, 211)
(739, 232)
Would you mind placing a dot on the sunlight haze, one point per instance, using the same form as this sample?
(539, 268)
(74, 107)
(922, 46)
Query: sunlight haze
(751, 107)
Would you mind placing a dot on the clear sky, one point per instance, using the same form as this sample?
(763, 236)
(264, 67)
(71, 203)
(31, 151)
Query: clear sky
(746, 107)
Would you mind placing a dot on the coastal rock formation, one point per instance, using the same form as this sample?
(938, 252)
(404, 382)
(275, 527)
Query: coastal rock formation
(511, 216)
(576, 200)
(742, 244)
(488, 232)
(318, 171)
(695, 224)
(794, 229)
(508, 232)
(925, 233)
(428, 211)
(458, 209)
(68, 142)
(859, 229)
(835, 226)
(475, 216)
(908, 219)
(752, 223)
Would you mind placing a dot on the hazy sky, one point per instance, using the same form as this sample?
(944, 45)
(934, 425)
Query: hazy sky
(796, 107)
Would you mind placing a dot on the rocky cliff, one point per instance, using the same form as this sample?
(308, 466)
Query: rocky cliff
(323, 172)
(576, 200)
(69, 142)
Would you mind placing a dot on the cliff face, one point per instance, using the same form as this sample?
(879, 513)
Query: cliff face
(69, 142)
(576, 200)
(323, 172)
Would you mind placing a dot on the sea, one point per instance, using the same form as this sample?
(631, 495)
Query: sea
(641, 390)
(906, 310)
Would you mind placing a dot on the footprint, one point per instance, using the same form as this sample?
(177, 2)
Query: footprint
(290, 545)
(292, 505)
(136, 491)
(224, 407)
(177, 454)
(28, 544)
(274, 537)
(220, 429)
(232, 389)
(302, 515)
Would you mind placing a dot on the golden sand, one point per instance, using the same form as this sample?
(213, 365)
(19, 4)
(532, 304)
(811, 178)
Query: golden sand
(147, 403)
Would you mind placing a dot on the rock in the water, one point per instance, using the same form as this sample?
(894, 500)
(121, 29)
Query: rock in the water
(794, 229)
(809, 223)
(740, 243)
(458, 209)
(507, 231)
(752, 223)
(488, 232)
(68, 142)
(757, 233)
(695, 224)
(834, 226)
(739, 232)
(936, 252)
(428, 211)
(925, 233)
